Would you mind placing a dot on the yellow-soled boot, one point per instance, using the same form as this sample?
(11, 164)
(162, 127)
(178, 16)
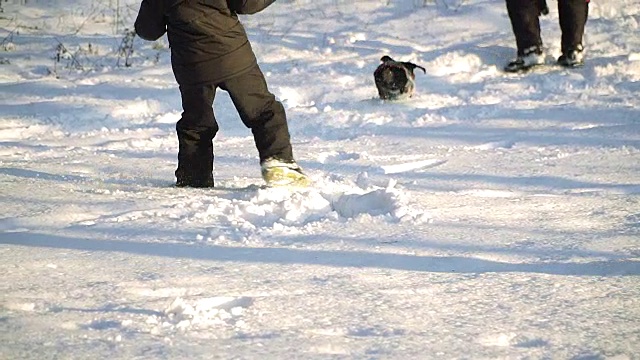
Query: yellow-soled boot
(276, 172)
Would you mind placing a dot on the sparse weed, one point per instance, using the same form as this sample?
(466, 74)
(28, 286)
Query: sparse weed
(126, 48)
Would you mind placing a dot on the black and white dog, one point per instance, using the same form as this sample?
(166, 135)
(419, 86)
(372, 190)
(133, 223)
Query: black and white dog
(395, 80)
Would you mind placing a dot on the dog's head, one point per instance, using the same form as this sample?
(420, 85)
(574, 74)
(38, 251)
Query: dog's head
(395, 79)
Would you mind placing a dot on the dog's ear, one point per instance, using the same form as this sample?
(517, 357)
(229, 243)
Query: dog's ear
(412, 66)
(386, 58)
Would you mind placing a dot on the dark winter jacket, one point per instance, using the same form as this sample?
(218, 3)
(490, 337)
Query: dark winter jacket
(208, 43)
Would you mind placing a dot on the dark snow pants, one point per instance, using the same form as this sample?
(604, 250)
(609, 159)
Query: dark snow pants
(526, 25)
(258, 109)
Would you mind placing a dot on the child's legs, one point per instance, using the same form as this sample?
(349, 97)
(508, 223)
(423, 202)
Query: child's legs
(262, 113)
(196, 130)
(525, 23)
(573, 18)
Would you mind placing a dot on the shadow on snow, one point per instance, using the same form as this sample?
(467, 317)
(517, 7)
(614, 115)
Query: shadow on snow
(348, 259)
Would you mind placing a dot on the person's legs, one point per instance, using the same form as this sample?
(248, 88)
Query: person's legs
(265, 116)
(262, 113)
(573, 18)
(196, 130)
(525, 23)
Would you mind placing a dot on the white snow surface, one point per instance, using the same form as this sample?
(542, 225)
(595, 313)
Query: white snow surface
(491, 216)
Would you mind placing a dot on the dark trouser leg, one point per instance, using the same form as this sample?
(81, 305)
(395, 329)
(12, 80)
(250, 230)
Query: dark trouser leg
(573, 18)
(525, 23)
(196, 130)
(262, 113)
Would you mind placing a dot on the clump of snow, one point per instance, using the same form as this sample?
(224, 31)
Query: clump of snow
(202, 313)
(454, 63)
(281, 209)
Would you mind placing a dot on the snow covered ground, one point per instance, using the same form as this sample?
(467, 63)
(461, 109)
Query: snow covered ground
(491, 216)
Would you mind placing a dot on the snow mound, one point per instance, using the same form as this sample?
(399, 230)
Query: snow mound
(323, 204)
(628, 70)
(378, 202)
(270, 206)
(202, 313)
(251, 213)
(283, 210)
(457, 62)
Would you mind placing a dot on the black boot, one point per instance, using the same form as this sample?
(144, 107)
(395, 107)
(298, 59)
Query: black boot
(187, 181)
(572, 58)
(573, 19)
(531, 57)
